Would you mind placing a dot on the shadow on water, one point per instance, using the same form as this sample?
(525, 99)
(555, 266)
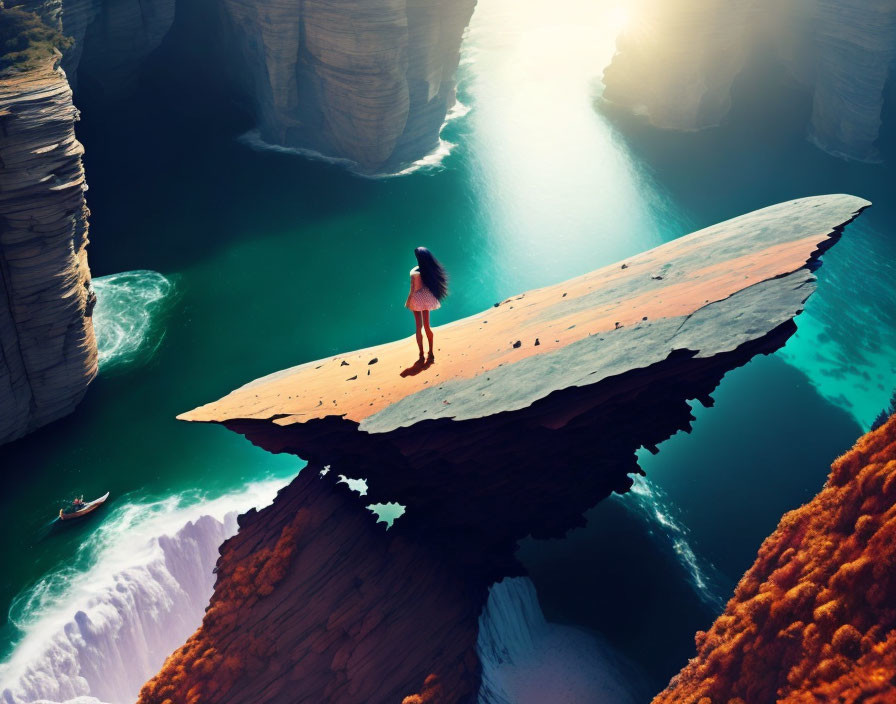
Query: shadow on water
(619, 576)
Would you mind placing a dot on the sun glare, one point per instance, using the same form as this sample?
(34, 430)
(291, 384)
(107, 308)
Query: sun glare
(619, 17)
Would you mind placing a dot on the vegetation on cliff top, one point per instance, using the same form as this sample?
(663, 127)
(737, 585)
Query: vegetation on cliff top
(26, 41)
(814, 619)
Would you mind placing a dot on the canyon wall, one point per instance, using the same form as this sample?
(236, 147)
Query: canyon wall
(368, 80)
(48, 348)
(676, 65)
(532, 415)
(112, 38)
(814, 618)
(856, 48)
(676, 62)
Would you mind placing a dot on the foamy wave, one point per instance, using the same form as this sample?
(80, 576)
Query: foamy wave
(124, 319)
(527, 660)
(651, 502)
(97, 630)
(433, 161)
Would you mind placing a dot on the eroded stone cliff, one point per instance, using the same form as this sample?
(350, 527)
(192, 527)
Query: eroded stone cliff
(366, 80)
(46, 332)
(531, 415)
(676, 63)
(814, 619)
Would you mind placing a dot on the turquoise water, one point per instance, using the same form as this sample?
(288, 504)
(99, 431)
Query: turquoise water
(218, 263)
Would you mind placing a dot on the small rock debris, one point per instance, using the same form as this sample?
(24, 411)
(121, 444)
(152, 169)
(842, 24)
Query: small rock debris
(624, 266)
(343, 363)
(374, 360)
(517, 344)
(352, 378)
(537, 342)
(618, 325)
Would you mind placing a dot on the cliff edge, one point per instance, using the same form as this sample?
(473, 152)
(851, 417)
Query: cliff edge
(49, 352)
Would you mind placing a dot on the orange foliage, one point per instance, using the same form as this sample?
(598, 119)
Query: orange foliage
(197, 673)
(813, 619)
(432, 693)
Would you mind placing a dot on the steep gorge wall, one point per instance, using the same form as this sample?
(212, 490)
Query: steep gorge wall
(676, 63)
(48, 348)
(814, 619)
(112, 38)
(366, 80)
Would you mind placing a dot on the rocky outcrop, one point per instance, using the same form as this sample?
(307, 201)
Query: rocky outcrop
(307, 595)
(48, 349)
(366, 80)
(814, 619)
(530, 416)
(676, 63)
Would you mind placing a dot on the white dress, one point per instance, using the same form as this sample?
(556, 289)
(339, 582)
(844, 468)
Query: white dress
(421, 297)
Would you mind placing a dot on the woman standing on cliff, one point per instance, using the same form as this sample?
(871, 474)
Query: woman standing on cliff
(429, 285)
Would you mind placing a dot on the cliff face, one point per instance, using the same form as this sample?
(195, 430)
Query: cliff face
(531, 415)
(49, 352)
(307, 595)
(113, 38)
(110, 38)
(814, 619)
(366, 80)
(856, 47)
(676, 64)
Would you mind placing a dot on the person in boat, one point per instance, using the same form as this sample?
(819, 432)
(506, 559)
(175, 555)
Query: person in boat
(78, 503)
(429, 285)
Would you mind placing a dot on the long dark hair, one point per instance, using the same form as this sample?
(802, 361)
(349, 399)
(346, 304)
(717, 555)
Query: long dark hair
(432, 273)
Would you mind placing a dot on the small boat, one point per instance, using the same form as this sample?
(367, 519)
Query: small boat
(89, 507)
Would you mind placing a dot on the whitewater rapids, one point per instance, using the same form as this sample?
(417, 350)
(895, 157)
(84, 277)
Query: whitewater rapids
(98, 633)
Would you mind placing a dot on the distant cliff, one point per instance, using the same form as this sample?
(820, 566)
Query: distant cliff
(112, 39)
(676, 63)
(532, 414)
(365, 80)
(48, 349)
(814, 619)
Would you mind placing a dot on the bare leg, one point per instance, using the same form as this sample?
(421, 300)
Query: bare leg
(418, 319)
(428, 332)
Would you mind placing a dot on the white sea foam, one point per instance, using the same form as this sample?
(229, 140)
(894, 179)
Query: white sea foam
(125, 316)
(433, 161)
(97, 630)
(652, 503)
(528, 660)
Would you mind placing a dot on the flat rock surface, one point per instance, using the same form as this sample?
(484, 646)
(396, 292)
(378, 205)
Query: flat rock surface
(707, 292)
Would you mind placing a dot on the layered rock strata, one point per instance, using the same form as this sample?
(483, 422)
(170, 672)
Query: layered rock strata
(113, 38)
(676, 64)
(814, 619)
(366, 80)
(48, 348)
(856, 49)
(530, 416)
